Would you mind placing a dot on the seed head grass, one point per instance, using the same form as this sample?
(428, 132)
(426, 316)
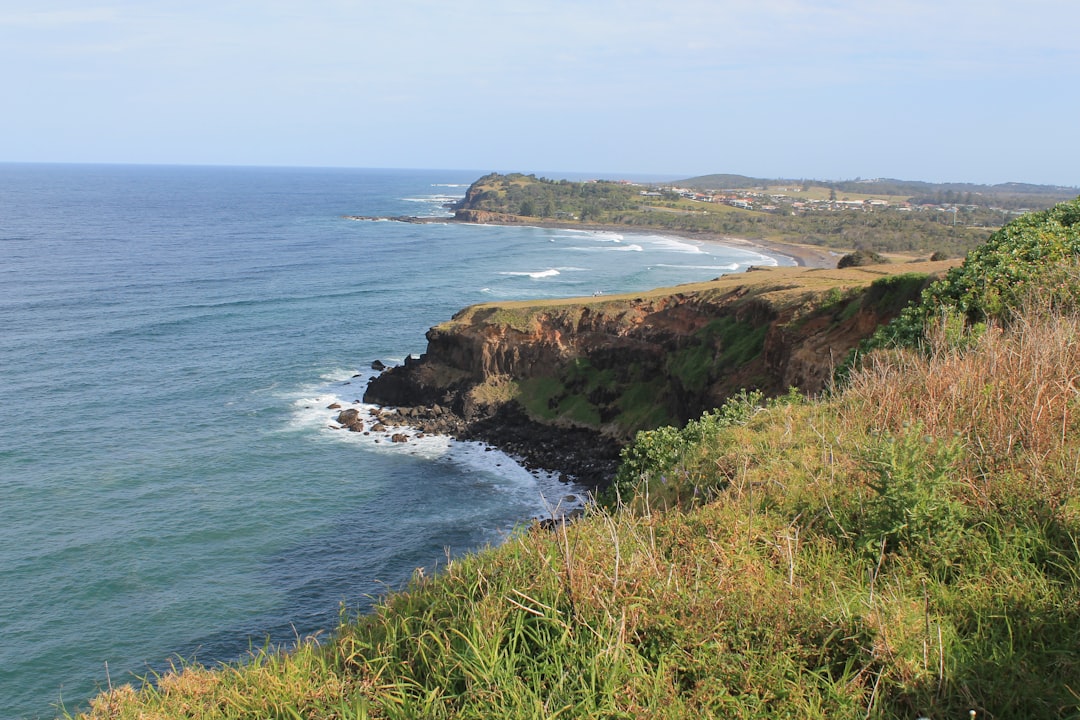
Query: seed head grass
(907, 546)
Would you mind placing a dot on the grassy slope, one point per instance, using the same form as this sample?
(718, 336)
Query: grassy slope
(909, 546)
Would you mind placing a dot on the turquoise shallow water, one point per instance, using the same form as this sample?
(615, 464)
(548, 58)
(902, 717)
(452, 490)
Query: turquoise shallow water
(170, 338)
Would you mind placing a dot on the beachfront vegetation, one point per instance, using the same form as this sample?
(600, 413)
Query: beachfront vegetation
(906, 546)
(882, 215)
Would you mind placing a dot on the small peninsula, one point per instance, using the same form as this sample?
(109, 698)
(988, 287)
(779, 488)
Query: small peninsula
(565, 384)
(811, 221)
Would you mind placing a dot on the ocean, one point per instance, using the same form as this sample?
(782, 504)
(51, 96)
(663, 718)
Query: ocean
(171, 484)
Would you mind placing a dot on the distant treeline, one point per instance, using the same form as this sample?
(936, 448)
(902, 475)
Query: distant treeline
(1009, 196)
(619, 203)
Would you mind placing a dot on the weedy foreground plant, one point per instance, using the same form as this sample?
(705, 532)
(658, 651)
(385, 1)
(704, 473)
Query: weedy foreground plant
(907, 546)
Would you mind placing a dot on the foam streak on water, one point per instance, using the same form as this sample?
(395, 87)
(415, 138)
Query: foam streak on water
(170, 479)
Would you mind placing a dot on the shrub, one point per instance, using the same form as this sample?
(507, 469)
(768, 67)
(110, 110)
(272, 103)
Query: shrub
(860, 258)
(1028, 253)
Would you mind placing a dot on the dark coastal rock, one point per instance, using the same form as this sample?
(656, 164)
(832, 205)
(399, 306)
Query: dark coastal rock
(350, 418)
(555, 523)
(399, 438)
(378, 365)
(333, 406)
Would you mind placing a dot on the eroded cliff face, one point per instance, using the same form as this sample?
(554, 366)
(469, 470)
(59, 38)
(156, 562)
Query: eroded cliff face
(623, 363)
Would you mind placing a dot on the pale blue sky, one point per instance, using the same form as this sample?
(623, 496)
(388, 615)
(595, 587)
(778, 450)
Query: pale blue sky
(964, 90)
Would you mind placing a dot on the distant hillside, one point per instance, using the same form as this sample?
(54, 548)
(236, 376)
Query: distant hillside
(1010, 195)
(797, 212)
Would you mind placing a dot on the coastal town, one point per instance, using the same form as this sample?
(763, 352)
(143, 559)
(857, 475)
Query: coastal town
(797, 200)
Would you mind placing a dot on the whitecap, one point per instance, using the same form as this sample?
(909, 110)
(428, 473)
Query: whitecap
(676, 245)
(760, 260)
(550, 272)
(606, 236)
(432, 199)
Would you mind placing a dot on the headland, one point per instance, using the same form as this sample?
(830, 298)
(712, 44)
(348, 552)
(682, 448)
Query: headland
(566, 384)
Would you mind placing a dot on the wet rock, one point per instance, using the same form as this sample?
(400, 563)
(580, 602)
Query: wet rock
(351, 419)
(334, 406)
(378, 365)
(399, 438)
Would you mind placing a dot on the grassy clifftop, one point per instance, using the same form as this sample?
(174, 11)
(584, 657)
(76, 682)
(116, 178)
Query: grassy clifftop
(908, 546)
(624, 363)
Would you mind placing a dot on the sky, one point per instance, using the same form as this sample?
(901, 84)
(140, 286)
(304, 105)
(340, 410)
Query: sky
(983, 91)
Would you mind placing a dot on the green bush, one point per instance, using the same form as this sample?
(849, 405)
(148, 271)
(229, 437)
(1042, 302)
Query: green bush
(996, 277)
(913, 509)
(658, 456)
(860, 258)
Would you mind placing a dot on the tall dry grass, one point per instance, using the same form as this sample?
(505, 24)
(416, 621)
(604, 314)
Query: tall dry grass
(1010, 393)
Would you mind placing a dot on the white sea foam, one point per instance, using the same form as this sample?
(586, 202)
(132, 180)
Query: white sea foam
(676, 244)
(550, 272)
(759, 259)
(541, 490)
(616, 248)
(436, 199)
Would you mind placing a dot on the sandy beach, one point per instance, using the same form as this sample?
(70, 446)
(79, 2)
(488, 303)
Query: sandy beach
(804, 255)
(809, 256)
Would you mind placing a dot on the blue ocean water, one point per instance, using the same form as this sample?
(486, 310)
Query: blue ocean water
(170, 339)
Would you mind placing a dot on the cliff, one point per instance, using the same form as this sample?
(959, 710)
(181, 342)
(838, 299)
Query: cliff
(544, 378)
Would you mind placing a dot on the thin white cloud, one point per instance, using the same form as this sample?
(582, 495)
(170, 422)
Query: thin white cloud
(497, 70)
(56, 18)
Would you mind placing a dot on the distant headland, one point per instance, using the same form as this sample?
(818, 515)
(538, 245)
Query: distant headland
(813, 222)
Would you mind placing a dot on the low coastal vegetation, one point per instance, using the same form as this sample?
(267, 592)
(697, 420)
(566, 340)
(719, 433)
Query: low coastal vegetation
(876, 216)
(906, 545)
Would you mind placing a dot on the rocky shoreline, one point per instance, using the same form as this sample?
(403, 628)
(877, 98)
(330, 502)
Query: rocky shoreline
(409, 397)
(581, 456)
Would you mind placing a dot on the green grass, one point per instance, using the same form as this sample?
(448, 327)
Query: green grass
(906, 546)
(883, 553)
(577, 409)
(539, 396)
(722, 344)
(641, 406)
